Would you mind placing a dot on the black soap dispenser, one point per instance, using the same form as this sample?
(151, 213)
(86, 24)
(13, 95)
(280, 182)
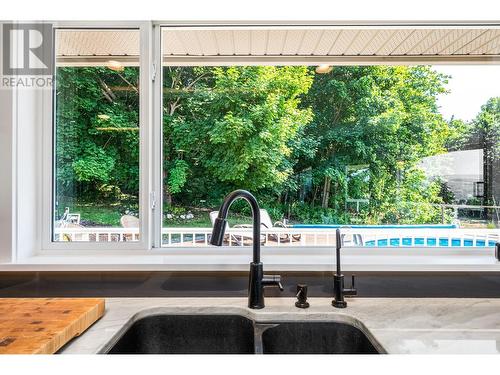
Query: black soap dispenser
(302, 297)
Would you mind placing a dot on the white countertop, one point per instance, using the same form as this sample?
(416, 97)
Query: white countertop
(399, 325)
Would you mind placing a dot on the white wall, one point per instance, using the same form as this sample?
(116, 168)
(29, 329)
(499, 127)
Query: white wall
(7, 209)
(7, 170)
(29, 129)
(21, 120)
(460, 169)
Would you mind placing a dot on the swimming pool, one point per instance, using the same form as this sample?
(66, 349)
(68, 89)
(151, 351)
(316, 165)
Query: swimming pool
(421, 235)
(429, 242)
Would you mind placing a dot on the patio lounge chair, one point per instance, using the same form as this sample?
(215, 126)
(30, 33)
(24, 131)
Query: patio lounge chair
(266, 223)
(70, 221)
(235, 238)
(351, 239)
(129, 221)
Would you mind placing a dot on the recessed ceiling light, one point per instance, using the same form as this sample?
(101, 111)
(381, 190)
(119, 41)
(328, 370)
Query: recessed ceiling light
(115, 65)
(324, 68)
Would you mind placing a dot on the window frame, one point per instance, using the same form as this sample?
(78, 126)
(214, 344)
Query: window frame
(145, 146)
(151, 131)
(308, 60)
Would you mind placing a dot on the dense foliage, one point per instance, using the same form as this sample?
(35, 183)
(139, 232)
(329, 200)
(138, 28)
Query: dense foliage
(97, 137)
(383, 117)
(308, 145)
(227, 128)
(484, 133)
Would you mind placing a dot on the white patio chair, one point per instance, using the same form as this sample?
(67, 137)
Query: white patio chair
(129, 221)
(265, 222)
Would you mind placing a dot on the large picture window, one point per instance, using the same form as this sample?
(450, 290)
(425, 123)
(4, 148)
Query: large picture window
(399, 154)
(395, 156)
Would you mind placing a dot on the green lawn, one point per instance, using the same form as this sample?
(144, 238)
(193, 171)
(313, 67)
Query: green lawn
(92, 214)
(95, 214)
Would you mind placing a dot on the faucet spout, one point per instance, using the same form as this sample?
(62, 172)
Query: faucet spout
(257, 280)
(221, 220)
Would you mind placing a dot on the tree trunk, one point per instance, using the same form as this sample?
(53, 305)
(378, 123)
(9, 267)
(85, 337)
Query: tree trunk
(326, 192)
(315, 194)
(167, 197)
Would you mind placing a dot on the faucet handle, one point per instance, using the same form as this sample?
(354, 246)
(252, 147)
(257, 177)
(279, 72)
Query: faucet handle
(272, 280)
(352, 291)
(280, 286)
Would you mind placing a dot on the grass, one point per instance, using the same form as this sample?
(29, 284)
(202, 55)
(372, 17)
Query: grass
(108, 215)
(93, 214)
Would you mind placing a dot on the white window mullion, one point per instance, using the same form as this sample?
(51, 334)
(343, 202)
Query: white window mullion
(146, 132)
(157, 132)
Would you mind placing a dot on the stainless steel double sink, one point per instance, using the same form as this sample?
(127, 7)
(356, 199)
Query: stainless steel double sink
(235, 334)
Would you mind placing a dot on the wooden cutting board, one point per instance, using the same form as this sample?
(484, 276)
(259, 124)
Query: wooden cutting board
(44, 325)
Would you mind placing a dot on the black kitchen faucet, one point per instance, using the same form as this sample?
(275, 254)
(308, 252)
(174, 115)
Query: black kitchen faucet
(257, 280)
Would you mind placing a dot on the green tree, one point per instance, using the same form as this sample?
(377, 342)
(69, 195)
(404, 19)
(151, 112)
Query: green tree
(285, 133)
(97, 132)
(233, 126)
(382, 116)
(486, 130)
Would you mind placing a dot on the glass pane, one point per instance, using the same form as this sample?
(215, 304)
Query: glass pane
(96, 179)
(395, 156)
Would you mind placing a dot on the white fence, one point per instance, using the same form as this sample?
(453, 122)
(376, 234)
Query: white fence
(101, 234)
(362, 237)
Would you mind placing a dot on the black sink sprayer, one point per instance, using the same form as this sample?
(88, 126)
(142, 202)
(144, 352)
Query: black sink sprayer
(301, 297)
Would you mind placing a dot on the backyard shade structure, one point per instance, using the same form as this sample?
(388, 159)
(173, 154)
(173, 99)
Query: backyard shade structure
(338, 41)
(338, 44)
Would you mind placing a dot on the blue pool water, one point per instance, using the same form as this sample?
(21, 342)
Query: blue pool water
(429, 241)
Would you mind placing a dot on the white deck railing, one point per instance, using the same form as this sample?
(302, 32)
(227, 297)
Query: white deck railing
(101, 234)
(366, 237)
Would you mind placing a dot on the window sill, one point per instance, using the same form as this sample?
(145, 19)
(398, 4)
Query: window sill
(277, 259)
